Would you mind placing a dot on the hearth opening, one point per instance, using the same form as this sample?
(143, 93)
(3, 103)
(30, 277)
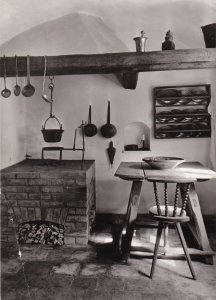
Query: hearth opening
(41, 232)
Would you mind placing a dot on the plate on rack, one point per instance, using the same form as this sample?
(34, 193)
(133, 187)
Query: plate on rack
(163, 93)
(167, 102)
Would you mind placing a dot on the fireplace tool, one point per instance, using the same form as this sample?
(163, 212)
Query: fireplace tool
(83, 141)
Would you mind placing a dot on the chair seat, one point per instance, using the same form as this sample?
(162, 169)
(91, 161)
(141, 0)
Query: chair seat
(169, 218)
(153, 210)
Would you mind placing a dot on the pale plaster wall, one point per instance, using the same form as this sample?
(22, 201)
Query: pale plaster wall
(82, 33)
(12, 129)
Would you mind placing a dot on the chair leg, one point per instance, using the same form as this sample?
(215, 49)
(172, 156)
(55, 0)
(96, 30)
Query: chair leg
(184, 245)
(159, 232)
(166, 228)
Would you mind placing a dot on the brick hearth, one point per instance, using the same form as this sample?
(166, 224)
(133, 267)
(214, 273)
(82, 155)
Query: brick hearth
(48, 190)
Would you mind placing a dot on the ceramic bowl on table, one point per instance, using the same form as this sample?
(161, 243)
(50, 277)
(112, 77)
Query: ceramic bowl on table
(163, 162)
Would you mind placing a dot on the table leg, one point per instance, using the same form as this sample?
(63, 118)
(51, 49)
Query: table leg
(196, 225)
(130, 218)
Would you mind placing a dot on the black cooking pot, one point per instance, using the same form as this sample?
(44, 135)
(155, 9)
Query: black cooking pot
(52, 135)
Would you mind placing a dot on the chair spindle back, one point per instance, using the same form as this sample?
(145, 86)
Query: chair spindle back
(175, 204)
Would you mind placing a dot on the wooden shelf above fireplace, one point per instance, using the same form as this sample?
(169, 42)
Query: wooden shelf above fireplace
(125, 65)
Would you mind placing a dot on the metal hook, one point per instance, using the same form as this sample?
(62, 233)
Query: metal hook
(51, 85)
(44, 96)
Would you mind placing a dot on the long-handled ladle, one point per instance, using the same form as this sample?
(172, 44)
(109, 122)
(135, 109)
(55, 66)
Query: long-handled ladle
(17, 88)
(44, 96)
(28, 89)
(5, 92)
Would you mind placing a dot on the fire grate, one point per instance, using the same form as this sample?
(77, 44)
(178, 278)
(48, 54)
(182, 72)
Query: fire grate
(41, 232)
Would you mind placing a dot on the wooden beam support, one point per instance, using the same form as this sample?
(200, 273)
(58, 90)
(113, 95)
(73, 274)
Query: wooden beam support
(128, 63)
(130, 80)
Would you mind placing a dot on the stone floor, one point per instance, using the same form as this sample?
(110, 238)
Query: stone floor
(43, 272)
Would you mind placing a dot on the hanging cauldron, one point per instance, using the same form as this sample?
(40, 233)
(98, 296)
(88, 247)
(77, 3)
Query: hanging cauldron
(52, 135)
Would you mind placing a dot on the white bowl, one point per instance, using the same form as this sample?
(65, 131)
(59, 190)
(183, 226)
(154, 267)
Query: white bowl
(163, 162)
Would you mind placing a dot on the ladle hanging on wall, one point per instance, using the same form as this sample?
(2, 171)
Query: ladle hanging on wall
(90, 129)
(108, 130)
(5, 92)
(44, 96)
(17, 88)
(28, 90)
(52, 135)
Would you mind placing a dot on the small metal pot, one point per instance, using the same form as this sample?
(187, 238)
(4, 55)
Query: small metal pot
(140, 42)
(52, 135)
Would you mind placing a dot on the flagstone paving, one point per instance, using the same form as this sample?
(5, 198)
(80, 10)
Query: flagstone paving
(63, 273)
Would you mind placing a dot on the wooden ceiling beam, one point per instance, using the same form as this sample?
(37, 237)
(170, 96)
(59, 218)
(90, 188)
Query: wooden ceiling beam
(128, 63)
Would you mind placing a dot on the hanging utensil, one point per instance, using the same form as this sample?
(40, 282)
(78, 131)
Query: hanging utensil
(111, 152)
(17, 88)
(28, 90)
(52, 135)
(44, 96)
(90, 129)
(108, 130)
(5, 92)
(74, 143)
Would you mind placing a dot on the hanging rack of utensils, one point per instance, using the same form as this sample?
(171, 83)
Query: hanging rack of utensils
(28, 90)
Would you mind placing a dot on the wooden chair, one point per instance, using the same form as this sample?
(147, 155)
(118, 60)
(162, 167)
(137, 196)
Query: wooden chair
(171, 214)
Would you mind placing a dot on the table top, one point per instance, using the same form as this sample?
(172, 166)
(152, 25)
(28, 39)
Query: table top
(186, 171)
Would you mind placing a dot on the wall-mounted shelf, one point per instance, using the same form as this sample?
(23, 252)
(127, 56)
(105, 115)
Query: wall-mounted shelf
(127, 64)
(136, 137)
(182, 111)
(139, 150)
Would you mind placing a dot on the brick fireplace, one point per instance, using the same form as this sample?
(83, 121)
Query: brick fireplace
(48, 190)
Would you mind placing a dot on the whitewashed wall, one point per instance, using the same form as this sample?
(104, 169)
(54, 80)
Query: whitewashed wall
(22, 119)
